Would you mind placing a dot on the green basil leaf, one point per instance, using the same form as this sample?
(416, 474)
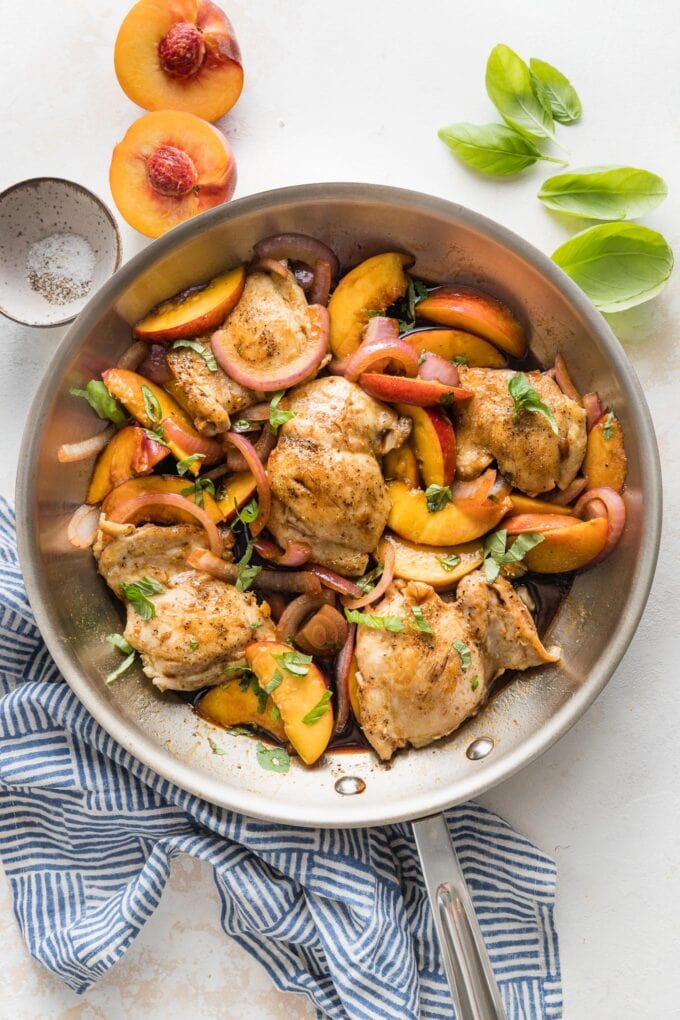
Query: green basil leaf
(604, 192)
(119, 642)
(214, 748)
(238, 667)
(262, 696)
(152, 407)
(494, 551)
(277, 416)
(526, 398)
(618, 265)
(319, 709)
(464, 652)
(391, 623)
(184, 464)
(492, 148)
(475, 683)
(246, 574)
(275, 713)
(119, 670)
(273, 759)
(437, 497)
(248, 514)
(562, 97)
(449, 562)
(421, 622)
(137, 592)
(294, 662)
(243, 425)
(368, 582)
(196, 490)
(508, 84)
(199, 348)
(275, 682)
(521, 546)
(101, 401)
(193, 644)
(608, 425)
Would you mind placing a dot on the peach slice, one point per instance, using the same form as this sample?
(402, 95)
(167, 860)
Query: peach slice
(129, 453)
(370, 287)
(605, 463)
(476, 312)
(229, 706)
(181, 55)
(538, 522)
(397, 389)
(169, 167)
(569, 548)
(401, 464)
(193, 312)
(522, 504)
(238, 490)
(295, 697)
(453, 343)
(434, 441)
(434, 565)
(353, 689)
(126, 386)
(160, 514)
(454, 525)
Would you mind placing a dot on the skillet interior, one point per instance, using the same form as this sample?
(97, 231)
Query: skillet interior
(75, 610)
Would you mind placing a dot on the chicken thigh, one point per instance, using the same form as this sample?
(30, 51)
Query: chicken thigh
(210, 397)
(325, 476)
(201, 625)
(526, 450)
(415, 686)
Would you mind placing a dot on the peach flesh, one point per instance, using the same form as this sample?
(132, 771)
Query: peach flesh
(170, 171)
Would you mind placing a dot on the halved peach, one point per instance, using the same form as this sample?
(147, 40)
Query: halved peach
(129, 453)
(295, 697)
(228, 705)
(454, 343)
(434, 441)
(370, 287)
(605, 461)
(538, 522)
(434, 565)
(454, 525)
(160, 514)
(401, 464)
(522, 504)
(569, 548)
(398, 389)
(193, 312)
(181, 55)
(126, 386)
(353, 689)
(477, 312)
(236, 491)
(169, 167)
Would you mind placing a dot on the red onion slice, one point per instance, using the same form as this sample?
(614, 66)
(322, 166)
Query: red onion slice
(294, 555)
(133, 356)
(266, 580)
(82, 528)
(568, 495)
(296, 611)
(336, 582)
(255, 465)
(564, 380)
(476, 491)
(321, 285)
(190, 443)
(594, 411)
(382, 585)
(267, 265)
(155, 365)
(616, 515)
(300, 248)
(381, 344)
(70, 453)
(343, 666)
(129, 509)
(438, 368)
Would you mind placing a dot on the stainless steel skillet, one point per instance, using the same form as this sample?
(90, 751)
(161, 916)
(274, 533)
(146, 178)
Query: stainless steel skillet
(75, 611)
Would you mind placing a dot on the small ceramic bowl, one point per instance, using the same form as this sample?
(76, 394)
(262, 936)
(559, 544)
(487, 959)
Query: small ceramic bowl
(58, 244)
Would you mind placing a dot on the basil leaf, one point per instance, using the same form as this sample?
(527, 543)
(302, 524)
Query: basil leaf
(277, 416)
(464, 652)
(475, 683)
(525, 398)
(607, 430)
(242, 425)
(437, 497)
(193, 644)
(461, 359)
(521, 546)
(273, 759)
(494, 551)
(391, 623)
(275, 713)
(368, 582)
(137, 592)
(405, 308)
(449, 562)
(421, 622)
(214, 748)
(152, 407)
(604, 193)
(196, 490)
(101, 401)
(184, 464)
(492, 148)
(618, 265)
(241, 731)
(119, 670)
(262, 696)
(562, 97)
(238, 667)
(508, 84)
(319, 709)
(294, 662)
(119, 642)
(275, 682)
(248, 514)
(199, 348)
(157, 435)
(246, 575)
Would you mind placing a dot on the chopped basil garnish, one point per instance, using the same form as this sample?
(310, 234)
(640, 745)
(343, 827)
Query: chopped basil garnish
(319, 709)
(237, 667)
(214, 748)
(464, 652)
(193, 644)
(201, 349)
(405, 308)
(255, 624)
(273, 759)
(475, 683)
(421, 622)
(124, 646)
(277, 416)
(527, 399)
(241, 731)
(294, 662)
(437, 497)
(186, 462)
(447, 399)
(152, 408)
(243, 426)
(119, 642)
(391, 623)
(449, 562)
(261, 694)
(275, 682)
(101, 401)
(368, 582)
(608, 425)
(521, 546)
(248, 514)
(496, 556)
(246, 575)
(460, 359)
(197, 489)
(275, 714)
(422, 357)
(137, 592)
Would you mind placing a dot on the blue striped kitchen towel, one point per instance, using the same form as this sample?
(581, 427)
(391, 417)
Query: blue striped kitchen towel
(87, 834)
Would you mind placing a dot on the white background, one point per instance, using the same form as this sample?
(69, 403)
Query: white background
(355, 91)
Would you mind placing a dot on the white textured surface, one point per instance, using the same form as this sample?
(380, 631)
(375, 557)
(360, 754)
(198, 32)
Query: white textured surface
(356, 91)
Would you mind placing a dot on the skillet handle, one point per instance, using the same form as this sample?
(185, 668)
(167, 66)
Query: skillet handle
(473, 986)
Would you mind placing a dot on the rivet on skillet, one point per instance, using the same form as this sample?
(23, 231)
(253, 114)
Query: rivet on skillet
(348, 785)
(479, 748)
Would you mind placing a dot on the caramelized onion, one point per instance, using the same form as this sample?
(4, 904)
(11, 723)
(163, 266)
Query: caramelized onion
(190, 444)
(131, 507)
(255, 465)
(321, 283)
(476, 491)
(133, 356)
(82, 528)
(266, 580)
(343, 666)
(336, 582)
(69, 453)
(256, 412)
(277, 605)
(155, 365)
(594, 412)
(300, 248)
(268, 265)
(381, 344)
(438, 369)
(382, 585)
(324, 634)
(294, 555)
(568, 495)
(589, 506)
(296, 612)
(564, 381)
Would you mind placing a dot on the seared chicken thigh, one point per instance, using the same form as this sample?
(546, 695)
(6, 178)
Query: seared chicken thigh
(201, 625)
(527, 451)
(415, 686)
(209, 397)
(325, 476)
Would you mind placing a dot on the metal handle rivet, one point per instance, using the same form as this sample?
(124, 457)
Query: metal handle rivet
(479, 748)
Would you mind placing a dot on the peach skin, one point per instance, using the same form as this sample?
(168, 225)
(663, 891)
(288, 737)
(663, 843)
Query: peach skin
(478, 313)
